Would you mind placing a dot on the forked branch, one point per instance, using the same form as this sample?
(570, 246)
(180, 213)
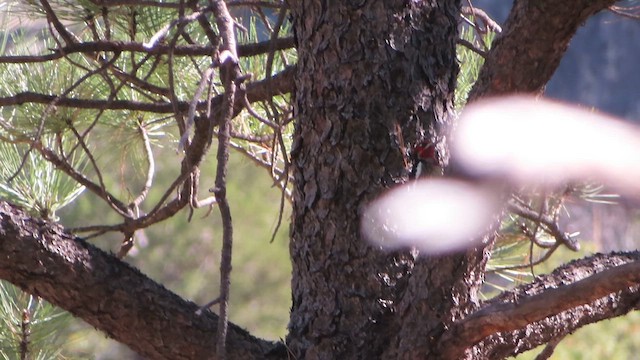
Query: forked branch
(567, 288)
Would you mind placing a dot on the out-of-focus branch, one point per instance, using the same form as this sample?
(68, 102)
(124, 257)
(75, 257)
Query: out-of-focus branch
(489, 23)
(528, 51)
(631, 12)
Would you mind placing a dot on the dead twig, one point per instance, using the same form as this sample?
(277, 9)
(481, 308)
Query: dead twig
(229, 72)
(489, 23)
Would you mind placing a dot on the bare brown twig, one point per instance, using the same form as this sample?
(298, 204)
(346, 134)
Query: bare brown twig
(150, 167)
(548, 222)
(53, 19)
(243, 50)
(471, 47)
(229, 72)
(549, 348)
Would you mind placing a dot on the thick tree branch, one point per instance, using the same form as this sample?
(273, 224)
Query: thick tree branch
(569, 288)
(528, 51)
(109, 294)
(504, 345)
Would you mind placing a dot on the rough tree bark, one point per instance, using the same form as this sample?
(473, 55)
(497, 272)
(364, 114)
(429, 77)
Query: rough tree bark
(352, 142)
(373, 78)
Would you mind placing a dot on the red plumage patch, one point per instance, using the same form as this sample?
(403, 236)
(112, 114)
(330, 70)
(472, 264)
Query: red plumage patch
(425, 151)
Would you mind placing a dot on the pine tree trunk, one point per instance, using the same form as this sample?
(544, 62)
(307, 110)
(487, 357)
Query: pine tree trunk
(373, 78)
